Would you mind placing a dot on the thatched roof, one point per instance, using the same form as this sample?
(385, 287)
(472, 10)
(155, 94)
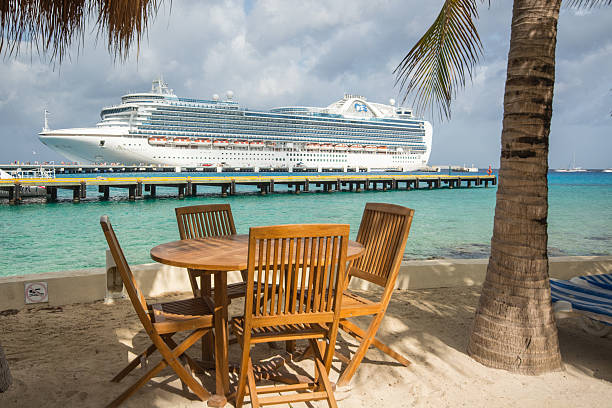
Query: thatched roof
(51, 26)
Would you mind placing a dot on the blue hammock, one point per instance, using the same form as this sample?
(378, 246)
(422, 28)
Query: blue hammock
(591, 295)
(601, 281)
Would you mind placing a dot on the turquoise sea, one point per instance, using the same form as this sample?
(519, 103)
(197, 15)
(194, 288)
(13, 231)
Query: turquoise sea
(39, 237)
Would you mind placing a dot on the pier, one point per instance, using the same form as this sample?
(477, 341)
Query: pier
(73, 168)
(141, 187)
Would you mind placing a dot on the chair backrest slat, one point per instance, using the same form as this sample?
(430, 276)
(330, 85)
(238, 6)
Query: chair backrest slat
(136, 296)
(210, 220)
(302, 267)
(383, 232)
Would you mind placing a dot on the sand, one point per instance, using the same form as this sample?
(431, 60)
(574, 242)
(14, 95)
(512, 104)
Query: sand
(65, 357)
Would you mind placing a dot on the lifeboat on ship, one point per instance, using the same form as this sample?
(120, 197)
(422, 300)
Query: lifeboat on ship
(257, 143)
(220, 143)
(241, 143)
(158, 141)
(202, 142)
(181, 141)
(370, 148)
(382, 149)
(312, 146)
(341, 147)
(327, 146)
(271, 144)
(356, 148)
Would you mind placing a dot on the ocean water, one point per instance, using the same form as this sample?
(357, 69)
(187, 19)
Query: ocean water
(458, 223)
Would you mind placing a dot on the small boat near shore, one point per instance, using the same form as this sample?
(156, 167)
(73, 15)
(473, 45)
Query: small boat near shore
(572, 168)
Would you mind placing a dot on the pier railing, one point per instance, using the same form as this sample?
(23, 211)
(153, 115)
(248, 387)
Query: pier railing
(188, 186)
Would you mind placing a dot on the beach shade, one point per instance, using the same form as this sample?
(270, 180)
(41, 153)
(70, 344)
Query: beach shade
(578, 298)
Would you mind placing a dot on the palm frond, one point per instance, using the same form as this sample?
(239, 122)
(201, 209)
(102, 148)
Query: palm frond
(440, 61)
(587, 3)
(51, 26)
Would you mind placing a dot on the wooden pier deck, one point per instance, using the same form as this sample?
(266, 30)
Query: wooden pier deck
(139, 187)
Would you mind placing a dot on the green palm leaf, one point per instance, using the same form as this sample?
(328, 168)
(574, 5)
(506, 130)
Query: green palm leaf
(441, 60)
(52, 26)
(588, 3)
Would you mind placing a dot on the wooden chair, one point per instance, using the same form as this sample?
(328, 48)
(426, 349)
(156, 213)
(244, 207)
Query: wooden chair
(304, 265)
(211, 220)
(161, 321)
(383, 232)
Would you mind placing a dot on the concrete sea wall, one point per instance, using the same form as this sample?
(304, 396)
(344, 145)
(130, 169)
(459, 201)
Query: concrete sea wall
(89, 285)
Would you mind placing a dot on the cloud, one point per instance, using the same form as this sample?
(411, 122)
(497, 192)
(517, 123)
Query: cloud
(285, 52)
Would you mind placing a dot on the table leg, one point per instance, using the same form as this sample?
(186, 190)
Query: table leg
(208, 339)
(221, 342)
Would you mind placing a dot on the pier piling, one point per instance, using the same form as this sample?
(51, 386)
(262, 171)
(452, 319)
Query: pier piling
(187, 186)
(76, 194)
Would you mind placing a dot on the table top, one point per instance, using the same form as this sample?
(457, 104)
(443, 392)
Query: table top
(228, 253)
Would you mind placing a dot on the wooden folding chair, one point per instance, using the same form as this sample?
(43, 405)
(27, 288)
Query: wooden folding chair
(383, 232)
(304, 265)
(211, 220)
(161, 321)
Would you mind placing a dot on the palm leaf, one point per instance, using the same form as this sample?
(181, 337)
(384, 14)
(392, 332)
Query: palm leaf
(441, 60)
(588, 3)
(51, 26)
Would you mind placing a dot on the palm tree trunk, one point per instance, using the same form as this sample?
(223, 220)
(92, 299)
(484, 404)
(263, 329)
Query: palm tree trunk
(5, 374)
(514, 328)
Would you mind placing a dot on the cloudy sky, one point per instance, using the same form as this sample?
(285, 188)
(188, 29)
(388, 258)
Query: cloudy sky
(285, 52)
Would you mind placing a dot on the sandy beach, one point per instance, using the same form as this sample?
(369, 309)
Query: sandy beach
(66, 356)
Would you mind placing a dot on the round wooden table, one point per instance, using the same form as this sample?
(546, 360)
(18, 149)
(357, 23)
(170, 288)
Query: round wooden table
(219, 255)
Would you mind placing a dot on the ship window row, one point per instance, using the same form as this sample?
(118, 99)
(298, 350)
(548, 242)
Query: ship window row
(162, 119)
(252, 130)
(226, 121)
(208, 125)
(290, 136)
(222, 116)
(206, 113)
(402, 142)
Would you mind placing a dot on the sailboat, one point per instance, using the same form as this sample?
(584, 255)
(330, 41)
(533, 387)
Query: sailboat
(572, 167)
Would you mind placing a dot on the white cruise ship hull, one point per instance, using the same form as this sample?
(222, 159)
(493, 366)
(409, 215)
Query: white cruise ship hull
(119, 148)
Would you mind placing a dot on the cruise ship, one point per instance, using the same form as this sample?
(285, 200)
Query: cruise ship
(161, 128)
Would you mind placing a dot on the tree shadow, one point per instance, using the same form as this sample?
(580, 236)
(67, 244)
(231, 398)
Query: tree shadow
(425, 322)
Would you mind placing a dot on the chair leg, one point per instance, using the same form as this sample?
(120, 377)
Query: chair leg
(324, 381)
(173, 358)
(194, 283)
(134, 363)
(244, 367)
(188, 379)
(358, 333)
(252, 386)
(142, 381)
(208, 341)
(368, 337)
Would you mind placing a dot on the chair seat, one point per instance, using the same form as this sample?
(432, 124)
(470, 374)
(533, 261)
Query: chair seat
(280, 332)
(354, 305)
(187, 314)
(238, 290)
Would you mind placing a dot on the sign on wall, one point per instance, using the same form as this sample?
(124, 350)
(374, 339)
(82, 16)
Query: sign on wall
(36, 292)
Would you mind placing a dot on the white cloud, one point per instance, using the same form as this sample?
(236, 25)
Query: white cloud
(285, 52)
